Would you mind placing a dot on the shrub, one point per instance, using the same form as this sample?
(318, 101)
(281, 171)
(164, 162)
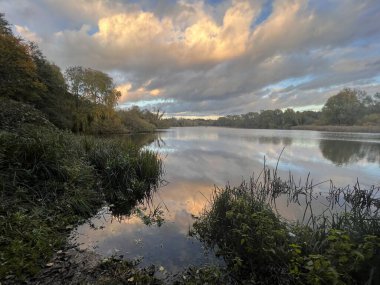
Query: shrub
(339, 246)
(51, 179)
(247, 234)
(127, 174)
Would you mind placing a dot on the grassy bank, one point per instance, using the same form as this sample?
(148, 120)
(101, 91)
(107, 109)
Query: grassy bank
(355, 129)
(340, 246)
(50, 180)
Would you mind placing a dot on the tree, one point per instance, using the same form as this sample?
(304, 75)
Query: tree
(18, 72)
(74, 79)
(134, 120)
(249, 119)
(92, 85)
(270, 119)
(54, 101)
(96, 97)
(155, 117)
(290, 118)
(48, 73)
(376, 99)
(371, 103)
(344, 108)
(307, 117)
(5, 28)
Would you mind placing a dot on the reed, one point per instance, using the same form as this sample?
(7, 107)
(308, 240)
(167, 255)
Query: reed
(337, 246)
(51, 180)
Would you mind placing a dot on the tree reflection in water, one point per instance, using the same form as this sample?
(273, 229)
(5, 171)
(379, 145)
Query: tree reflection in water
(342, 152)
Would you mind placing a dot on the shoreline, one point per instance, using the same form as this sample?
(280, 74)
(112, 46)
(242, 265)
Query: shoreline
(342, 129)
(328, 128)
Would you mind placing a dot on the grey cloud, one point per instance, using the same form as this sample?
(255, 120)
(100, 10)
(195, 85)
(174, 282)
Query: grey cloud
(336, 44)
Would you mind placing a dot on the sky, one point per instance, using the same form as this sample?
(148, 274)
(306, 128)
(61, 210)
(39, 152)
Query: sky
(211, 58)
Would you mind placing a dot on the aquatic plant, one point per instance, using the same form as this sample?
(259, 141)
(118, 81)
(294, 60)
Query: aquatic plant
(51, 179)
(338, 246)
(127, 174)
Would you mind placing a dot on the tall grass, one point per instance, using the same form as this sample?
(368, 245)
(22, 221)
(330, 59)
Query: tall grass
(51, 179)
(46, 184)
(338, 246)
(127, 174)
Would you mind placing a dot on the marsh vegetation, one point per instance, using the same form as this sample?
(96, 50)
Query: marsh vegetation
(54, 175)
(338, 246)
(50, 178)
(53, 179)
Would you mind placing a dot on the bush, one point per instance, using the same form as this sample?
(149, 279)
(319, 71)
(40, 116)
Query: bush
(247, 234)
(259, 247)
(14, 114)
(127, 174)
(46, 184)
(370, 120)
(134, 120)
(51, 179)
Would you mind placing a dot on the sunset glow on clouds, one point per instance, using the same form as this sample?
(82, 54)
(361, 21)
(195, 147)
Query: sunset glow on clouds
(212, 57)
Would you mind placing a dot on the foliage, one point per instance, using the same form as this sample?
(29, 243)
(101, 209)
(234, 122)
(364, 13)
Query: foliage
(266, 119)
(83, 100)
(156, 118)
(247, 234)
(127, 174)
(5, 28)
(203, 275)
(116, 271)
(54, 101)
(341, 260)
(51, 179)
(343, 108)
(26, 76)
(181, 122)
(18, 72)
(92, 85)
(371, 119)
(135, 120)
(45, 185)
(340, 246)
(14, 115)
(96, 119)
(348, 107)
(95, 98)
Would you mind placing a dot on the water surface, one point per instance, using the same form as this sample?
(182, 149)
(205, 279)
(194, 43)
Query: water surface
(196, 159)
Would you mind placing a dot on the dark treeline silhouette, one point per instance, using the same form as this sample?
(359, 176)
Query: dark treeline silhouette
(347, 108)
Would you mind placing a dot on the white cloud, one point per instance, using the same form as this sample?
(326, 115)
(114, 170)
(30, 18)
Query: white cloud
(213, 59)
(140, 38)
(25, 33)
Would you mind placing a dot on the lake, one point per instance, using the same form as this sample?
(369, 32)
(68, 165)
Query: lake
(198, 158)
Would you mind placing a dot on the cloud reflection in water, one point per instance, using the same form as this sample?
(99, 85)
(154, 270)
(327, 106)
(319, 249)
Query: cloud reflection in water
(196, 159)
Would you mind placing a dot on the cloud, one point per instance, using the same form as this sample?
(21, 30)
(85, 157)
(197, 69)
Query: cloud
(142, 92)
(141, 39)
(216, 58)
(25, 33)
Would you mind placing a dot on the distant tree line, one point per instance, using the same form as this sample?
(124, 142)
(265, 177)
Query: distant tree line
(351, 107)
(84, 100)
(347, 108)
(81, 99)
